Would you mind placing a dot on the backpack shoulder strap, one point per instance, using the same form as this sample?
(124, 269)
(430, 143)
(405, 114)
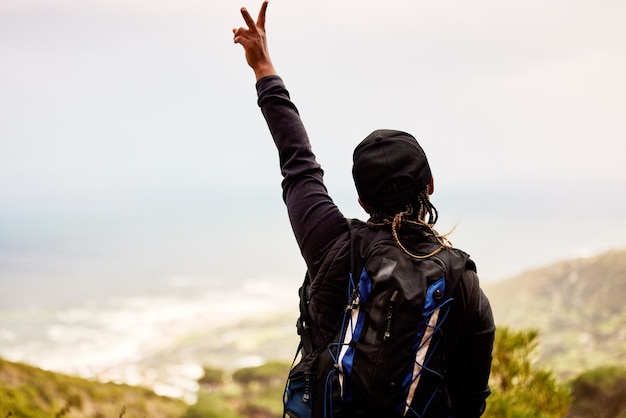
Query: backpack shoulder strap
(304, 320)
(356, 262)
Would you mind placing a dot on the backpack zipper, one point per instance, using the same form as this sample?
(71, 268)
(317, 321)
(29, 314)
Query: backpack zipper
(392, 302)
(307, 387)
(354, 301)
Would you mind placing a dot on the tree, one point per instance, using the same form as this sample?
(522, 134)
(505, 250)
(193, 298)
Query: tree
(521, 389)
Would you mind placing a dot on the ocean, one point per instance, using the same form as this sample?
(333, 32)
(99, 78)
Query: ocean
(161, 339)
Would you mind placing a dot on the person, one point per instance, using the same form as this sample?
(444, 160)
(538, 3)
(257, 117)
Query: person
(394, 182)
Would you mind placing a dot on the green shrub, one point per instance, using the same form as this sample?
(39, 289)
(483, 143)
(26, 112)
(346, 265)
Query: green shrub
(600, 393)
(519, 388)
(210, 405)
(268, 373)
(212, 377)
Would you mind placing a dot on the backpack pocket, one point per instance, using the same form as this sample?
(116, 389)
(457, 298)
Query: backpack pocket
(298, 395)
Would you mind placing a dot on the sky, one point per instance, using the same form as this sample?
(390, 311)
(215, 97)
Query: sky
(132, 150)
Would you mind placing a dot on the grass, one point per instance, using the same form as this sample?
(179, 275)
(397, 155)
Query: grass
(27, 391)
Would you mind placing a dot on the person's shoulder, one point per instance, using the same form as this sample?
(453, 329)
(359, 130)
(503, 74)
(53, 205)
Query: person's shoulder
(360, 229)
(470, 265)
(356, 223)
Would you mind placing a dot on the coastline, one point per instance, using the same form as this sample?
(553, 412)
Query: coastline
(161, 341)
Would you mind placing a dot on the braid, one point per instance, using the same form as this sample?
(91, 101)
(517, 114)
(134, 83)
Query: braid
(426, 218)
(427, 211)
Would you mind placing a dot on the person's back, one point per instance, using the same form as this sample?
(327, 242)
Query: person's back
(393, 180)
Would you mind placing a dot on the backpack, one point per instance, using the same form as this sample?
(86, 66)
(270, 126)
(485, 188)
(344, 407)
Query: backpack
(385, 358)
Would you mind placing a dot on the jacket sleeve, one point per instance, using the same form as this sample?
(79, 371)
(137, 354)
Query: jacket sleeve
(469, 364)
(315, 219)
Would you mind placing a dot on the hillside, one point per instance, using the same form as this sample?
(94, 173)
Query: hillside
(27, 391)
(578, 307)
(30, 392)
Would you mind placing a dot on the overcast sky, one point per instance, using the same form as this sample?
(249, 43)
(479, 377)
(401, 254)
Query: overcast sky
(131, 143)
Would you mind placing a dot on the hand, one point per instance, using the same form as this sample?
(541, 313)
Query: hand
(254, 42)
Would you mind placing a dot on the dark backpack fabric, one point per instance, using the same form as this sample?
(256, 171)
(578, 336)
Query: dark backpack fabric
(385, 358)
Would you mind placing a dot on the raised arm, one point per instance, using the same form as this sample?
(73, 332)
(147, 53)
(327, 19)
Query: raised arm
(254, 42)
(316, 221)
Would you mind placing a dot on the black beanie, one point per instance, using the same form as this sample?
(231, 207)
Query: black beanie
(389, 168)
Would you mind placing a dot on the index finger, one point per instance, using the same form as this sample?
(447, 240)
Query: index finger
(261, 19)
(248, 18)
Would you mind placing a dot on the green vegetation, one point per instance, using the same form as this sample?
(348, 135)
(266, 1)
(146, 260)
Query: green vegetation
(30, 392)
(520, 389)
(576, 305)
(213, 405)
(600, 393)
(523, 389)
(27, 391)
(264, 386)
(253, 392)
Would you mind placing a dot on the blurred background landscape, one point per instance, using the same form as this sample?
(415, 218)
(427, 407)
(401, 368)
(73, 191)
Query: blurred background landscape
(142, 233)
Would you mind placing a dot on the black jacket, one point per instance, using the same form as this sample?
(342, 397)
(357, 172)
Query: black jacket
(322, 234)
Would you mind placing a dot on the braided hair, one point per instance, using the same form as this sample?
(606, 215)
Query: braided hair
(424, 217)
